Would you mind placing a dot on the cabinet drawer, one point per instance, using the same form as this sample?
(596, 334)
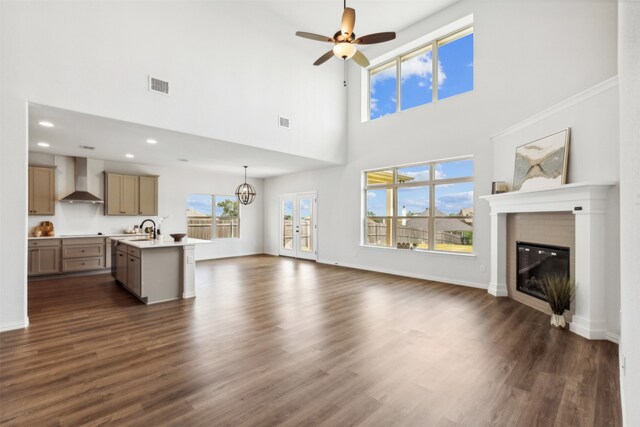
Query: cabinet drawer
(80, 241)
(81, 264)
(82, 251)
(43, 242)
(133, 251)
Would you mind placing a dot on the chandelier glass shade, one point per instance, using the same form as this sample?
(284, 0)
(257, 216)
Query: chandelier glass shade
(245, 193)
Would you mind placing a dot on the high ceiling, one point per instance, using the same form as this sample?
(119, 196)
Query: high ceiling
(372, 16)
(113, 139)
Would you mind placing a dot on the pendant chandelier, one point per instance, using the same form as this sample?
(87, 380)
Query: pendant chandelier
(245, 192)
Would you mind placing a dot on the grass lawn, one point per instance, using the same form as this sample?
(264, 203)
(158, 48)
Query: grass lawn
(454, 248)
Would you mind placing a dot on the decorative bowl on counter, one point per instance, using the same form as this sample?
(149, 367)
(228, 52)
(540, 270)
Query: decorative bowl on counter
(177, 237)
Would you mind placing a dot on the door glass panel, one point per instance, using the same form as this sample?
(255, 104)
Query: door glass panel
(306, 224)
(287, 224)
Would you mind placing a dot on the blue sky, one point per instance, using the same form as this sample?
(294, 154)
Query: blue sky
(204, 202)
(450, 198)
(455, 75)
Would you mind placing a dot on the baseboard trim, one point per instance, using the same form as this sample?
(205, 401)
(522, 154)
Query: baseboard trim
(613, 337)
(10, 326)
(405, 274)
(230, 256)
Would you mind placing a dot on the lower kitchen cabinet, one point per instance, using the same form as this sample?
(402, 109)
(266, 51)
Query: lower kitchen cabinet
(83, 254)
(121, 267)
(44, 257)
(151, 274)
(134, 282)
(66, 255)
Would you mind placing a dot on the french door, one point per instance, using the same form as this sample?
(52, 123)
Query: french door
(298, 227)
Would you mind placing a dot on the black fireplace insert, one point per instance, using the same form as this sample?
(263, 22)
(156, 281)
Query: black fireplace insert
(535, 262)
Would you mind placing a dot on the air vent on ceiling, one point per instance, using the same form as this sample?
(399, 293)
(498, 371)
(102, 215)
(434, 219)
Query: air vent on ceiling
(284, 122)
(158, 86)
(87, 147)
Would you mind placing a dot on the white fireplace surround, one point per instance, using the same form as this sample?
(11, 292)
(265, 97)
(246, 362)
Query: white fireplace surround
(588, 202)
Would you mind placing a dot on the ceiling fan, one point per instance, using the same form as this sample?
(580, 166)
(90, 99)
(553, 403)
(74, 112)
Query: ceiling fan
(345, 40)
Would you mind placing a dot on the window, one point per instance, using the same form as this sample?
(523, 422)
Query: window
(227, 217)
(427, 206)
(407, 80)
(201, 213)
(383, 88)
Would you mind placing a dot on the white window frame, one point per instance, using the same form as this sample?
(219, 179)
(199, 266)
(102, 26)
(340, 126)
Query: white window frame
(432, 39)
(431, 183)
(214, 216)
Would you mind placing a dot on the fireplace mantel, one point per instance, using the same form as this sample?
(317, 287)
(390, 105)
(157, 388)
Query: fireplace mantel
(588, 202)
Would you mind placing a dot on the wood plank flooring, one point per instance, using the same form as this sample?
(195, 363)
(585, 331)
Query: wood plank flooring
(276, 341)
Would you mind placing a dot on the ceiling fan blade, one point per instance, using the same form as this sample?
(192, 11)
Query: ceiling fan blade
(324, 58)
(312, 36)
(348, 21)
(375, 38)
(360, 59)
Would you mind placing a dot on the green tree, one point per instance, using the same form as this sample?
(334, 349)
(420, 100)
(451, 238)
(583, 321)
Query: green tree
(229, 207)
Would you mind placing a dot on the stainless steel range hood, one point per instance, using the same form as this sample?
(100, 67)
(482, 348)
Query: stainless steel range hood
(81, 195)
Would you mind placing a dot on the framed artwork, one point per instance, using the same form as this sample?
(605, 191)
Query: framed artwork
(542, 163)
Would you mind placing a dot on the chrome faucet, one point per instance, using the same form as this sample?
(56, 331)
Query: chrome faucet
(154, 226)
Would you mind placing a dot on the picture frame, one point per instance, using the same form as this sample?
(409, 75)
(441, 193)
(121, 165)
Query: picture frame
(542, 163)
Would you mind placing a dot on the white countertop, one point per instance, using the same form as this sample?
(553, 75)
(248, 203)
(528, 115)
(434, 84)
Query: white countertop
(78, 236)
(165, 243)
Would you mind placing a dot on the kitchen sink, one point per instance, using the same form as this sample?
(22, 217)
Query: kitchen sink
(138, 240)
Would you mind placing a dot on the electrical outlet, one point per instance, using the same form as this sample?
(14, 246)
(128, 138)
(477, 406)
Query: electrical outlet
(482, 268)
(189, 259)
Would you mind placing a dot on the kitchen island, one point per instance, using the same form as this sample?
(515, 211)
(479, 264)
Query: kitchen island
(156, 270)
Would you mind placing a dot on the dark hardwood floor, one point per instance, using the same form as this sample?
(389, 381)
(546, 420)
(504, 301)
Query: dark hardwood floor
(275, 341)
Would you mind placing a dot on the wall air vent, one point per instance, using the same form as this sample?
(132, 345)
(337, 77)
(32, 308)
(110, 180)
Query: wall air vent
(87, 147)
(284, 122)
(158, 86)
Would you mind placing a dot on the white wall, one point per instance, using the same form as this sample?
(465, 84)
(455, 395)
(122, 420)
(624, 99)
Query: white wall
(629, 66)
(521, 68)
(593, 118)
(173, 187)
(233, 67)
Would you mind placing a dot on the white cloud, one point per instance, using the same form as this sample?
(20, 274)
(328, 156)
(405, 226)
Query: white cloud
(373, 104)
(420, 66)
(370, 194)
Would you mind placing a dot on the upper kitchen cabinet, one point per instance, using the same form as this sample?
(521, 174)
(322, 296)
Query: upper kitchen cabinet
(148, 195)
(41, 190)
(121, 194)
(130, 194)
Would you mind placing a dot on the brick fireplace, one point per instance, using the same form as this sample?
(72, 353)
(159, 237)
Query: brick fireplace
(573, 216)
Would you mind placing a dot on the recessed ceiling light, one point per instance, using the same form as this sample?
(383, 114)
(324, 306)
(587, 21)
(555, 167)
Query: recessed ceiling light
(130, 156)
(152, 141)
(45, 124)
(43, 144)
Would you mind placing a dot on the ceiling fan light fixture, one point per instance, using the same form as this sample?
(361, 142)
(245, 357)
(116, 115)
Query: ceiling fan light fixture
(344, 50)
